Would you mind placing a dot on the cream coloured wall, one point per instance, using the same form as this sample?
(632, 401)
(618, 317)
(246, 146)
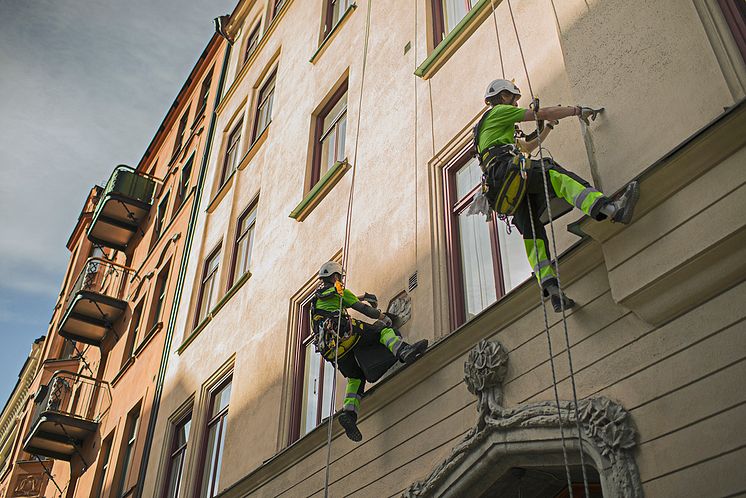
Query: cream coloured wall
(636, 59)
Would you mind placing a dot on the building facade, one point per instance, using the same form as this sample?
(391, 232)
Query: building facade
(337, 120)
(86, 427)
(386, 93)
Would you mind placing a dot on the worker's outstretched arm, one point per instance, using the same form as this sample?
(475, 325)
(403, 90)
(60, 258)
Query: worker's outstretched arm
(367, 310)
(561, 112)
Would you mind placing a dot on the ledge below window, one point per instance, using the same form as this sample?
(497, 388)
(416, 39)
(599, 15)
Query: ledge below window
(458, 35)
(319, 191)
(327, 39)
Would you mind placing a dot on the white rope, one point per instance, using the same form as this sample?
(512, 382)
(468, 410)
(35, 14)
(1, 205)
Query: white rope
(557, 272)
(345, 256)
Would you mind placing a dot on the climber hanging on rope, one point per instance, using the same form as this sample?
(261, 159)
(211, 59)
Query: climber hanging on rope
(513, 186)
(365, 350)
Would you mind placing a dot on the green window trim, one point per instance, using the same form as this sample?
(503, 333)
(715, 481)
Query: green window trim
(455, 38)
(330, 35)
(214, 311)
(319, 191)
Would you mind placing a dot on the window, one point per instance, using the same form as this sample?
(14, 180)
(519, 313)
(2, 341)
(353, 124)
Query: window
(277, 6)
(215, 440)
(252, 41)
(230, 163)
(159, 296)
(181, 132)
(331, 128)
(264, 106)
(160, 219)
(208, 292)
(447, 14)
(103, 469)
(244, 242)
(734, 12)
(126, 452)
(135, 332)
(484, 260)
(184, 182)
(69, 349)
(176, 457)
(204, 94)
(334, 11)
(313, 377)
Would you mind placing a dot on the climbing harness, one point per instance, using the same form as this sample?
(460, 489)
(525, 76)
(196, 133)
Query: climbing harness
(559, 285)
(331, 328)
(345, 253)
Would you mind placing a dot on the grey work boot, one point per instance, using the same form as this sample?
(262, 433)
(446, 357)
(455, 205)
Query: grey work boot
(624, 207)
(558, 298)
(409, 353)
(348, 421)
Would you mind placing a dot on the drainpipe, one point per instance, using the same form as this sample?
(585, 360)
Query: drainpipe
(180, 283)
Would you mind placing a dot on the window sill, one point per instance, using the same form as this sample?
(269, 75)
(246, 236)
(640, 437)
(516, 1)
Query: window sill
(319, 191)
(253, 148)
(327, 39)
(126, 366)
(214, 311)
(458, 35)
(224, 188)
(146, 340)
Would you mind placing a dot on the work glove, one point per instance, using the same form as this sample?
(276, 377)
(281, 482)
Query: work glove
(588, 114)
(370, 299)
(386, 321)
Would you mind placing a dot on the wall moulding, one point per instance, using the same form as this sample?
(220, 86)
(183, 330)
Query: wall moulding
(531, 433)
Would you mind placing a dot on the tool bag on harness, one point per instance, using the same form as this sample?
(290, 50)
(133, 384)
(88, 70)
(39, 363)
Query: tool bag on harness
(324, 324)
(504, 174)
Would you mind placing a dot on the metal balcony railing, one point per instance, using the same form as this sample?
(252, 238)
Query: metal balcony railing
(96, 301)
(123, 205)
(67, 411)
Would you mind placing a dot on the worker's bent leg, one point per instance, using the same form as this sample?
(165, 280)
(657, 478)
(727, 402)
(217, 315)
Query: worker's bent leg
(353, 394)
(577, 191)
(537, 249)
(391, 340)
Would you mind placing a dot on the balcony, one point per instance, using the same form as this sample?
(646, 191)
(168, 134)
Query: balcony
(96, 302)
(124, 204)
(67, 411)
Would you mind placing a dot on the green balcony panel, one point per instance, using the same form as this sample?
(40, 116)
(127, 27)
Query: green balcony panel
(123, 206)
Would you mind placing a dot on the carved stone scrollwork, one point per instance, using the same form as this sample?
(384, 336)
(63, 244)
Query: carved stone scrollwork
(606, 428)
(28, 486)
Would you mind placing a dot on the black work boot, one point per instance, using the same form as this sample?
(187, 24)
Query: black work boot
(409, 353)
(557, 301)
(625, 205)
(348, 420)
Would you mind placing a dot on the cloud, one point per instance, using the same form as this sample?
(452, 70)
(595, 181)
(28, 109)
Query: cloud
(84, 86)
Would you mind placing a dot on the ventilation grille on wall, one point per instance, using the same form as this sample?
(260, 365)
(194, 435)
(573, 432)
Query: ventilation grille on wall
(412, 282)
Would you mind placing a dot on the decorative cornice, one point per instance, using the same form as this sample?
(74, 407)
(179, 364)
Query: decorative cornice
(606, 428)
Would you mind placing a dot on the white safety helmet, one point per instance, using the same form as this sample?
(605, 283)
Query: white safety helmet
(330, 268)
(498, 86)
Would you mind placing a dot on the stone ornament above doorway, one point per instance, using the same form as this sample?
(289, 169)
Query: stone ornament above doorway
(529, 433)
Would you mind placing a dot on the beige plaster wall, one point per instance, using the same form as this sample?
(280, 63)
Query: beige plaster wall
(635, 58)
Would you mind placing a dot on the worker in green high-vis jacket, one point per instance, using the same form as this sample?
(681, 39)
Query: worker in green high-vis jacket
(497, 147)
(363, 351)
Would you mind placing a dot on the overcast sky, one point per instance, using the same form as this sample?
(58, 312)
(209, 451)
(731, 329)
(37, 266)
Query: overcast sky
(84, 84)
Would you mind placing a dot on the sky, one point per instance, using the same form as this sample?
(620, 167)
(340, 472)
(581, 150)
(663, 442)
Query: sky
(84, 85)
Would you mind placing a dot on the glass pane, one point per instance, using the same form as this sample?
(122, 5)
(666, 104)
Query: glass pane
(328, 146)
(334, 113)
(476, 264)
(221, 399)
(219, 460)
(182, 434)
(211, 451)
(341, 135)
(512, 257)
(467, 177)
(328, 388)
(174, 476)
(310, 390)
(453, 12)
